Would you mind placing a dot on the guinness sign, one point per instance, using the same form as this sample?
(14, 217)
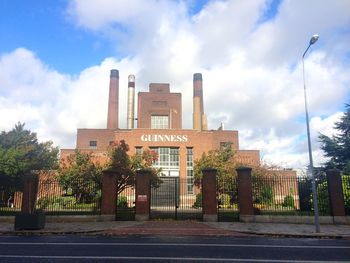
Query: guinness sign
(163, 138)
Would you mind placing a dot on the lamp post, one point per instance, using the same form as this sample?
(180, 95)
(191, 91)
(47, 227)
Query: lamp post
(313, 40)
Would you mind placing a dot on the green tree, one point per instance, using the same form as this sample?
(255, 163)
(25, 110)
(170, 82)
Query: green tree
(221, 159)
(79, 174)
(337, 147)
(125, 166)
(21, 153)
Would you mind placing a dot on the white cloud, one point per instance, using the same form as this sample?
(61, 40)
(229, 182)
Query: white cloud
(326, 125)
(52, 104)
(252, 70)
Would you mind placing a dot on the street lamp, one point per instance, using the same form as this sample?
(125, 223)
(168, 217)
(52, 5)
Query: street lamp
(313, 40)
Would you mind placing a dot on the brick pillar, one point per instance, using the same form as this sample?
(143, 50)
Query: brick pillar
(245, 198)
(30, 190)
(210, 208)
(143, 194)
(335, 191)
(109, 193)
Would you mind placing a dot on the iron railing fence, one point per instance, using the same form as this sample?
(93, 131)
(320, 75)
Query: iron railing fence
(288, 195)
(10, 196)
(174, 199)
(346, 192)
(126, 204)
(227, 197)
(80, 197)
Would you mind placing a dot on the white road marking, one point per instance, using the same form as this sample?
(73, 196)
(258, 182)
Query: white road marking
(181, 259)
(166, 244)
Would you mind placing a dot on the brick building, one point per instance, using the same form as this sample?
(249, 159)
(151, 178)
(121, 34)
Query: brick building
(159, 128)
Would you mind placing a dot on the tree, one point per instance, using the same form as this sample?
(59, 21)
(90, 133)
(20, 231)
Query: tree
(337, 147)
(125, 166)
(81, 175)
(221, 159)
(21, 153)
(224, 161)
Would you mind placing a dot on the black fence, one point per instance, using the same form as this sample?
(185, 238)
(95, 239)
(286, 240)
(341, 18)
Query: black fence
(289, 195)
(81, 197)
(175, 198)
(227, 197)
(346, 192)
(126, 204)
(10, 196)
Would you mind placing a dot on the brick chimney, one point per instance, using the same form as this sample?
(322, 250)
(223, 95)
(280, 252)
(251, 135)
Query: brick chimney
(113, 100)
(199, 118)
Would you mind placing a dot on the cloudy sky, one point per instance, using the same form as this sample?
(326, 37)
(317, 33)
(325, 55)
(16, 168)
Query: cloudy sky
(55, 58)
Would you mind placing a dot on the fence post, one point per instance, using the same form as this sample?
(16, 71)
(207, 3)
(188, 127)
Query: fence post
(336, 197)
(210, 209)
(143, 195)
(29, 218)
(109, 193)
(245, 197)
(30, 190)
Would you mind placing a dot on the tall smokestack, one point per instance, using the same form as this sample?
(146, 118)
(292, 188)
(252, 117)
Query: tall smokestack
(131, 101)
(197, 101)
(113, 104)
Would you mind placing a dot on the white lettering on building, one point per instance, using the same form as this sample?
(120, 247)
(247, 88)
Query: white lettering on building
(163, 138)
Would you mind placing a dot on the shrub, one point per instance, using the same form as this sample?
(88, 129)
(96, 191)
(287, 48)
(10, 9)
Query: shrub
(224, 199)
(304, 189)
(122, 202)
(44, 202)
(288, 201)
(346, 192)
(198, 202)
(322, 198)
(98, 196)
(56, 202)
(266, 195)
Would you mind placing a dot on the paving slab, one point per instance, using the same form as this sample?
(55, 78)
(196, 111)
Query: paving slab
(284, 229)
(184, 228)
(174, 228)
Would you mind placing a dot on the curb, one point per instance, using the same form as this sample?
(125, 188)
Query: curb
(104, 232)
(279, 234)
(42, 233)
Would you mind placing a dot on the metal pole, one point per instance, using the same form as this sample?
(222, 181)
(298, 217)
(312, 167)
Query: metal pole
(311, 166)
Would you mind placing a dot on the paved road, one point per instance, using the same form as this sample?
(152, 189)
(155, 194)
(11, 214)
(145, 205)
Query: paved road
(167, 249)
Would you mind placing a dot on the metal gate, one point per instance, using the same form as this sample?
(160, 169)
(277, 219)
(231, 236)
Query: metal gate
(173, 200)
(126, 205)
(227, 199)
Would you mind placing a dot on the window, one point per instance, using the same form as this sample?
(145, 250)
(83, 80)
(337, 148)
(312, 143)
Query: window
(189, 171)
(93, 144)
(168, 160)
(189, 162)
(159, 122)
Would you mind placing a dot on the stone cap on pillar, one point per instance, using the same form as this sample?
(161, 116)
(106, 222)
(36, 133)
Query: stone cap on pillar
(109, 171)
(209, 169)
(333, 171)
(243, 168)
(29, 176)
(144, 171)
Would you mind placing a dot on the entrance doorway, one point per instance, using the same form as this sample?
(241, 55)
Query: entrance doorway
(171, 200)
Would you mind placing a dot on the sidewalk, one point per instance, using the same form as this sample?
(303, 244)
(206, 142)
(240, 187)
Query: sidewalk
(184, 228)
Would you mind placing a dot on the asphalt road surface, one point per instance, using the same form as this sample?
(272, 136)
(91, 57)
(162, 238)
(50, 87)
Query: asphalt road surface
(168, 249)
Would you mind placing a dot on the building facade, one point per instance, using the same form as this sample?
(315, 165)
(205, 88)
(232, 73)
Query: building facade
(159, 128)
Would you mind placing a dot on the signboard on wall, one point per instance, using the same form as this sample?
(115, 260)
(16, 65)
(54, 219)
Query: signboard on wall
(163, 138)
(142, 198)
